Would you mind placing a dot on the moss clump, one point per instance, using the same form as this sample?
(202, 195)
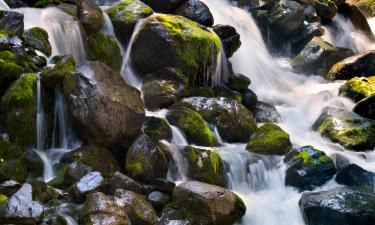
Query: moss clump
(346, 128)
(37, 38)
(104, 48)
(358, 88)
(193, 125)
(204, 165)
(269, 139)
(129, 11)
(311, 157)
(3, 198)
(53, 77)
(9, 70)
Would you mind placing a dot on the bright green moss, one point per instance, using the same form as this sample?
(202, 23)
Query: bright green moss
(129, 11)
(37, 38)
(269, 139)
(3, 198)
(358, 88)
(137, 167)
(311, 157)
(21, 92)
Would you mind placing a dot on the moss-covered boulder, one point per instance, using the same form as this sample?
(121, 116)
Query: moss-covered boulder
(229, 37)
(125, 15)
(175, 41)
(367, 7)
(146, 160)
(308, 168)
(138, 209)
(163, 88)
(157, 129)
(346, 128)
(208, 204)
(361, 65)
(90, 15)
(358, 88)
(19, 106)
(103, 47)
(318, 56)
(366, 107)
(269, 139)
(234, 122)
(54, 77)
(238, 82)
(113, 114)
(9, 70)
(222, 90)
(193, 125)
(42, 192)
(196, 11)
(37, 38)
(13, 163)
(204, 165)
(325, 9)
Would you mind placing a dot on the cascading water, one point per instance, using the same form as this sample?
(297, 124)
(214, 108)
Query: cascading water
(3, 5)
(63, 30)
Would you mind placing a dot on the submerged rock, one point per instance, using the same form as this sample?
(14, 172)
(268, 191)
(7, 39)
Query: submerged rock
(269, 139)
(175, 41)
(361, 65)
(234, 122)
(146, 160)
(125, 16)
(21, 208)
(204, 165)
(208, 204)
(338, 206)
(105, 110)
(366, 107)
(139, 211)
(196, 11)
(356, 176)
(37, 38)
(358, 88)
(308, 168)
(346, 128)
(193, 125)
(229, 37)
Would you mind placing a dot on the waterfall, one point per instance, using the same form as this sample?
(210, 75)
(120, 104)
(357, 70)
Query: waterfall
(3, 5)
(63, 30)
(40, 123)
(342, 33)
(222, 69)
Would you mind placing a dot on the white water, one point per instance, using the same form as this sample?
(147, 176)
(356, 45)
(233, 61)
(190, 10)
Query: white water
(3, 5)
(63, 30)
(342, 33)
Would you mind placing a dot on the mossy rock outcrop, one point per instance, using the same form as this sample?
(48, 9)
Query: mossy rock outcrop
(19, 105)
(229, 38)
(54, 77)
(269, 139)
(346, 128)
(308, 168)
(103, 47)
(204, 165)
(366, 107)
(125, 15)
(13, 163)
(37, 38)
(325, 9)
(233, 121)
(147, 160)
(358, 88)
(175, 41)
(193, 125)
(157, 129)
(9, 70)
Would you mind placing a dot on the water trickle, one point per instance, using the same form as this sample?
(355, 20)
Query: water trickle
(107, 27)
(3, 5)
(222, 69)
(40, 122)
(63, 30)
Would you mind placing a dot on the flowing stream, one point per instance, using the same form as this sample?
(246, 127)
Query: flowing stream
(3, 5)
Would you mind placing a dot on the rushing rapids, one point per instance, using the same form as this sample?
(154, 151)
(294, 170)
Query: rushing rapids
(178, 126)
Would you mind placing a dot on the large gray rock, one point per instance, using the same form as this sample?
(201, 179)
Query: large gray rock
(105, 110)
(196, 11)
(12, 22)
(90, 16)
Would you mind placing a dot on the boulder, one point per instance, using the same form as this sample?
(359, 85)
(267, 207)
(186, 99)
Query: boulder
(90, 15)
(157, 129)
(139, 211)
(113, 113)
(340, 160)
(12, 22)
(158, 199)
(146, 160)
(21, 208)
(222, 90)
(74, 172)
(193, 125)
(346, 128)
(358, 88)
(100, 209)
(361, 65)
(249, 100)
(238, 82)
(165, 6)
(9, 70)
(175, 41)
(229, 37)
(338, 206)
(9, 187)
(355, 176)
(125, 15)
(208, 204)
(104, 48)
(325, 9)
(204, 165)
(37, 38)
(356, 17)
(269, 139)
(121, 181)
(266, 113)
(234, 122)
(196, 11)
(89, 183)
(19, 105)
(42, 192)
(54, 77)
(308, 168)
(366, 107)
(14, 165)
(318, 56)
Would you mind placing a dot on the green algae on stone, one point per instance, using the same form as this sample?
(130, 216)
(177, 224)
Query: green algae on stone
(193, 125)
(37, 38)
(358, 88)
(105, 48)
(269, 139)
